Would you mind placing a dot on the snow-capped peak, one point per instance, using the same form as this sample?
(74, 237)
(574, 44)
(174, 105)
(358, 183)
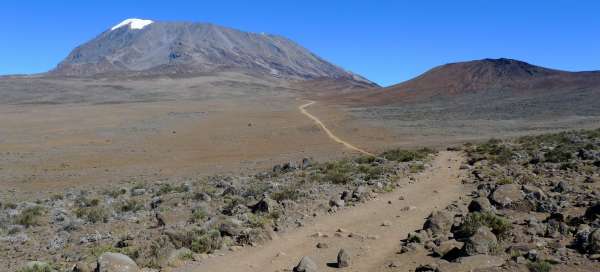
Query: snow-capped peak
(133, 23)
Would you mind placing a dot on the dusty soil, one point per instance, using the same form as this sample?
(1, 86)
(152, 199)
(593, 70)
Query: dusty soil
(198, 127)
(370, 244)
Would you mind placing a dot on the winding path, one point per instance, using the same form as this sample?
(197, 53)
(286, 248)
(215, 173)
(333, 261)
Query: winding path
(332, 136)
(371, 245)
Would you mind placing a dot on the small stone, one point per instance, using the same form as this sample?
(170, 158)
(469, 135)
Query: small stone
(343, 259)
(306, 264)
(322, 245)
(386, 223)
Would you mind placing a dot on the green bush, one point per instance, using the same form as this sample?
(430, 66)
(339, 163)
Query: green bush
(30, 216)
(499, 226)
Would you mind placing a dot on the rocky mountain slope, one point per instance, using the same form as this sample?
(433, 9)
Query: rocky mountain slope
(145, 47)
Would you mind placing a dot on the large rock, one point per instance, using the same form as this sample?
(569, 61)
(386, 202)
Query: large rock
(116, 262)
(594, 241)
(480, 204)
(507, 194)
(343, 259)
(439, 222)
(482, 242)
(266, 205)
(306, 264)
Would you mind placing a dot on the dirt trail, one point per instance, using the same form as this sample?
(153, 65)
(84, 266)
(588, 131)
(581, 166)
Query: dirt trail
(433, 189)
(332, 136)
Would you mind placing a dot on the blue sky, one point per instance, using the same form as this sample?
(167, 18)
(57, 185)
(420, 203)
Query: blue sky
(386, 41)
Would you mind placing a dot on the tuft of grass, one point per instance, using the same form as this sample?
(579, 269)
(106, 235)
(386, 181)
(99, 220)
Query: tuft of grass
(499, 226)
(30, 216)
(540, 266)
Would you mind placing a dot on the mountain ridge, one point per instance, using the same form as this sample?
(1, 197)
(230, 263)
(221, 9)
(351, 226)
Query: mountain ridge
(479, 76)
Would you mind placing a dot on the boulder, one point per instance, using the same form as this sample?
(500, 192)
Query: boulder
(592, 212)
(116, 262)
(482, 242)
(343, 259)
(506, 195)
(439, 222)
(306, 264)
(480, 204)
(266, 205)
(594, 241)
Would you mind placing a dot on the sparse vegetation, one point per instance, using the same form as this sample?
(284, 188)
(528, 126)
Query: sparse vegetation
(401, 155)
(30, 216)
(38, 267)
(94, 214)
(473, 221)
(540, 266)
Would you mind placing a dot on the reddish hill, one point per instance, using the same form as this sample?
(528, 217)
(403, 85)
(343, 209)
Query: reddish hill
(480, 76)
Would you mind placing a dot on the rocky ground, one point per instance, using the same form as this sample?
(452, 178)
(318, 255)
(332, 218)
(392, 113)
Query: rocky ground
(534, 207)
(161, 225)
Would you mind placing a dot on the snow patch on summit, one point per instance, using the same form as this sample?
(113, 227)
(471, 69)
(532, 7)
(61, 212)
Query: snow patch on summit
(133, 23)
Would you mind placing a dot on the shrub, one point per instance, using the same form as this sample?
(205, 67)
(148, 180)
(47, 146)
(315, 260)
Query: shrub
(131, 205)
(338, 172)
(559, 154)
(400, 155)
(10, 205)
(539, 266)
(258, 220)
(198, 215)
(367, 159)
(505, 180)
(115, 193)
(205, 241)
(286, 193)
(499, 226)
(416, 168)
(30, 216)
(170, 188)
(38, 267)
(92, 214)
(57, 197)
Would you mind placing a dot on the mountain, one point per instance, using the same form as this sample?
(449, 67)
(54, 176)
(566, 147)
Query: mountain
(145, 47)
(497, 77)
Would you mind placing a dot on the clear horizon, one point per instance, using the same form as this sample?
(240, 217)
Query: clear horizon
(387, 42)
